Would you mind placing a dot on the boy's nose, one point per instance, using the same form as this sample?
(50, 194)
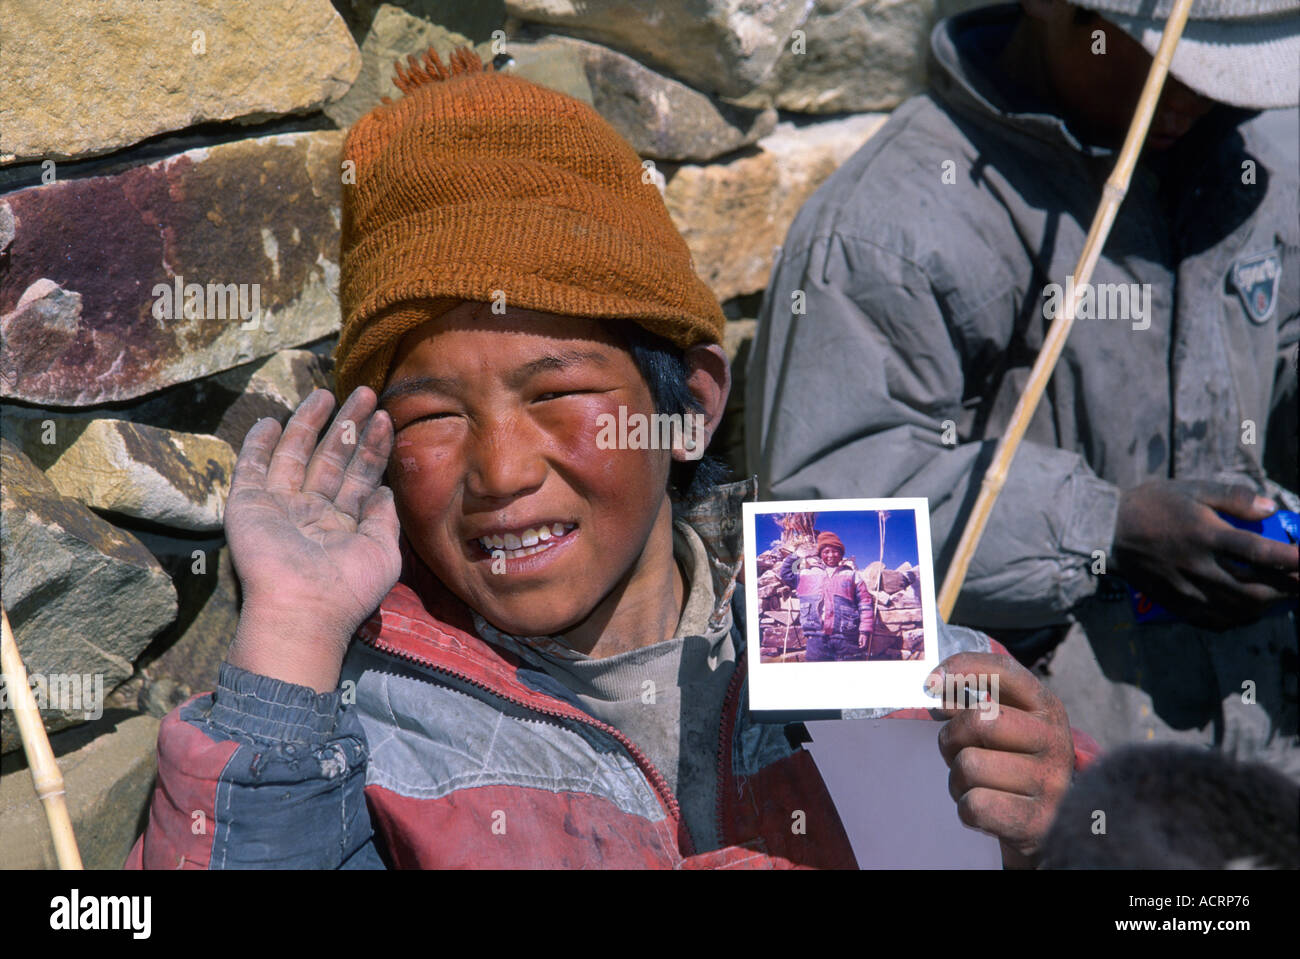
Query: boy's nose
(504, 464)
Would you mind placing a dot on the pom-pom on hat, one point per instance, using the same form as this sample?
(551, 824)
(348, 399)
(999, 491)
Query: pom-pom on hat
(479, 186)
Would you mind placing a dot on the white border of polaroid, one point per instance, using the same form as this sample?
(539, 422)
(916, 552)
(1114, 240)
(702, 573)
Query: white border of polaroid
(810, 687)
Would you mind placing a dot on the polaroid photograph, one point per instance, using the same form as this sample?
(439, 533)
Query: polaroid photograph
(839, 596)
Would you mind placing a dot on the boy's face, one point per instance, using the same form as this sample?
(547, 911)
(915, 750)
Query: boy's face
(499, 483)
(831, 555)
(1101, 90)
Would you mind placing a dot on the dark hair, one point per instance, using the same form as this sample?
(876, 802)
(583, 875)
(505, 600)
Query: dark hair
(1084, 16)
(1176, 807)
(663, 366)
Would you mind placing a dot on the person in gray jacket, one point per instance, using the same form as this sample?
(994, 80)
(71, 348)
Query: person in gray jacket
(914, 290)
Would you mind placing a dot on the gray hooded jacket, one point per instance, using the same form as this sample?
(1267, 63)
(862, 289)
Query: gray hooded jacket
(905, 311)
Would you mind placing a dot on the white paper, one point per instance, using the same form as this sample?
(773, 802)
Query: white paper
(889, 784)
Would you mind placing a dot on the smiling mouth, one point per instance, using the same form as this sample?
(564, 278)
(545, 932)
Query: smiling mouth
(517, 544)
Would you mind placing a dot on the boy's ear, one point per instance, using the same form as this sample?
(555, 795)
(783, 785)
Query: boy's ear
(708, 377)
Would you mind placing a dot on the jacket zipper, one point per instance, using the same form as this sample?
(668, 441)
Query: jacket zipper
(655, 777)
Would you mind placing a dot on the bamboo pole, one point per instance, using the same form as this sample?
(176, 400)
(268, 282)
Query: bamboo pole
(36, 744)
(1113, 193)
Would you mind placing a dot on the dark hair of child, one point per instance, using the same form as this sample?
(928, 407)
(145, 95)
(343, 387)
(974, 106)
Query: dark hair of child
(1176, 807)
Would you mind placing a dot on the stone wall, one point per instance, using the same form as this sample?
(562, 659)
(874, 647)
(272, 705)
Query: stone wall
(170, 184)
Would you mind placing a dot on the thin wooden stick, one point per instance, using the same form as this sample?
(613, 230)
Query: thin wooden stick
(40, 756)
(1112, 195)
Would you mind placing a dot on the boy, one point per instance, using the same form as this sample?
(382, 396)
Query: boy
(836, 612)
(917, 333)
(557, 680)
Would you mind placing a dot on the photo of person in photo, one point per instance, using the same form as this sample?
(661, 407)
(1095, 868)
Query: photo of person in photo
(836, 613)
(817, 604)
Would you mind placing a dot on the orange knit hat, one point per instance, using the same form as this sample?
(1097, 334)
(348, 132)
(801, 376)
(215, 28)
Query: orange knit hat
(480, 186)
(829, 539)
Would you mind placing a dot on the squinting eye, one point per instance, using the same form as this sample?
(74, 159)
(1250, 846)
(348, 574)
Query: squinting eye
(555, 395)
(426, 417)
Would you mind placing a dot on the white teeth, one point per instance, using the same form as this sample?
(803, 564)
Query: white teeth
(525, 551)
(532, 540)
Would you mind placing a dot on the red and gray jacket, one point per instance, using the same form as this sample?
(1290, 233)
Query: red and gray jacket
(440, 750)
(834, 602)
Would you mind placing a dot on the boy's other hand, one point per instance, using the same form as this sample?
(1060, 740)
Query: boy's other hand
(1170, 544)
(1011, 758)
(313, 537)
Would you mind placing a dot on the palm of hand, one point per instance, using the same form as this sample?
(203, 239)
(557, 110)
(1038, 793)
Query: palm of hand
(314, 531)
(305, 545)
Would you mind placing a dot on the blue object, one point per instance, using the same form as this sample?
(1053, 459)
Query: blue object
(1283, 526)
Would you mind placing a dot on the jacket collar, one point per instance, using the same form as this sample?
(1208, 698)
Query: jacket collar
(717, 520)
(964, 74)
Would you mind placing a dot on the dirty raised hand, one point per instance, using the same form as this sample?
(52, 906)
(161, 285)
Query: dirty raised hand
(313, 537)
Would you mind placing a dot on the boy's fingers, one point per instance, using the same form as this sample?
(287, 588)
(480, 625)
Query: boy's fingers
(1240, 501)
(1011, 730)
(1017, 686)
(975, 768)
(289, 463)
(1013, 819)
(379, 518)
(255, 455)
(367, 466)
(1256, 550)
(325, 471)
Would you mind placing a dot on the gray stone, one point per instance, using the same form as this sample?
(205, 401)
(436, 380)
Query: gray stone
(80, 79)
(475, 19)
(162, 476)
(108, 770)
(393, 35)
(83, 597)
(227, 404)
(551, 63)
(725, 47)
(6, 226)
(853, 56)
(270, 387)
(186, 657)
(89, 312)
(661, 118)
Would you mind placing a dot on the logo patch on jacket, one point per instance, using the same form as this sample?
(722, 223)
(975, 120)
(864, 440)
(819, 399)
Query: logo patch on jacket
(1256, 278)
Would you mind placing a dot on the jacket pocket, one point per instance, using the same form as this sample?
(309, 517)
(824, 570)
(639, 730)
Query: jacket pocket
(846, 618)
